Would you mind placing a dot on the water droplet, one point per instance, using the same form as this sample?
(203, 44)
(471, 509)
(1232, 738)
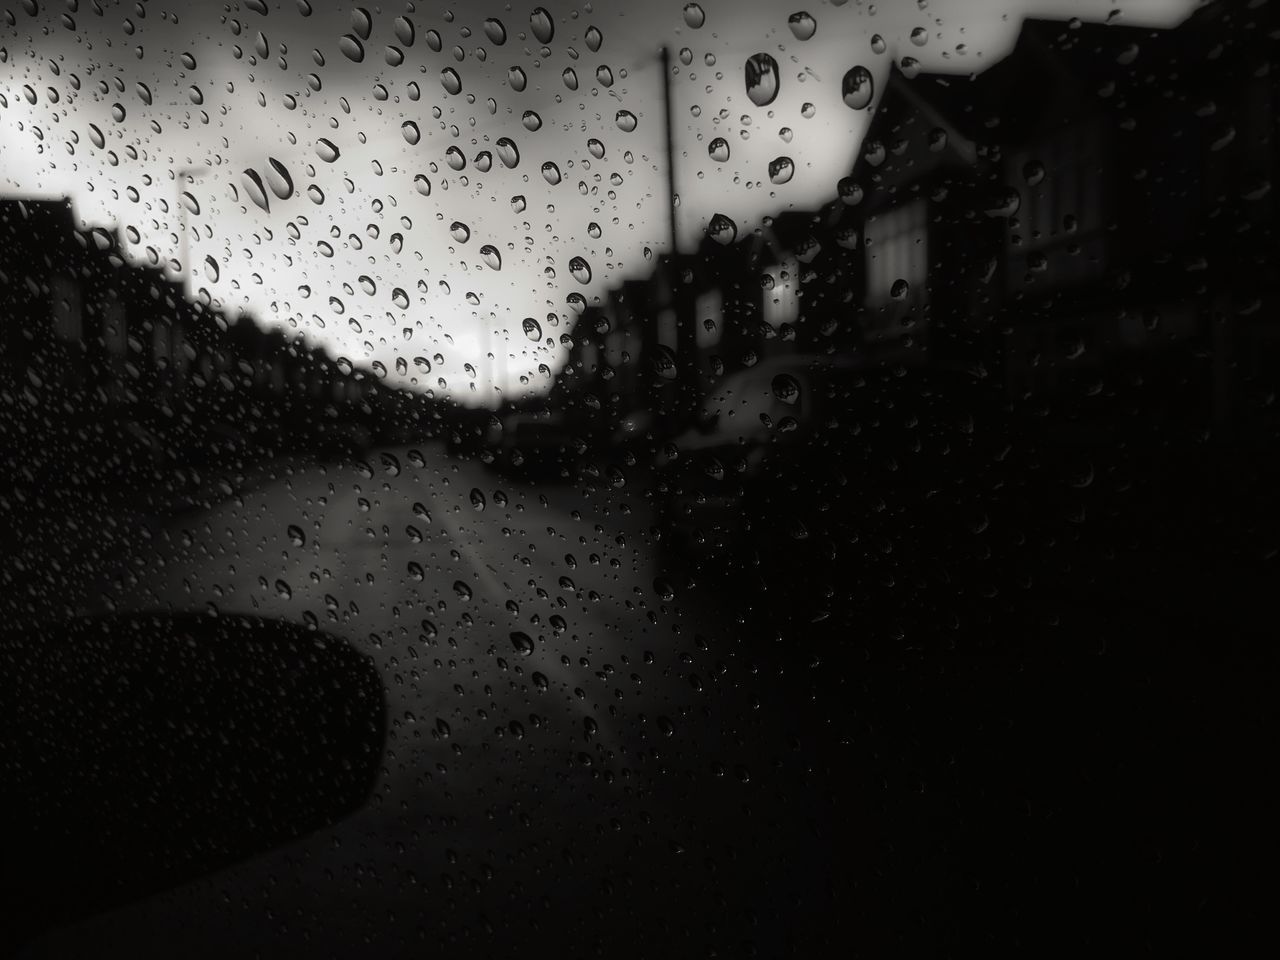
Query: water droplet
(551, 173)
(570, 77)
(508, 152)
(361, 22)
(191, 203)
(516, 79)
(211, 269)
(594, 38)
(144, 92)
(495, 31)
(455, 158)
(626, 121)
(580, 269)
(351, 48)
(604, 76)
(404, 31)
(296, 536)
(1004, 203)
(532, 329)
(802, 25)
(531, 121)
(877, 44)
(694, 15)
(722, 229)
(786, 388)
(434, 41)
(543, 26)
(462, 590)
(596, 148)
(478, 502)
(327, 150)
(718, 149)
(856, 88)
(409, 130)
(400, 298)
(523, 643)
(1033, 172)
(900, 289)
(283, 590)
(919, 36)
(781, 170)
(491, 257)
(257, 191)
(761, 73)
(450, 80)
(577, 303)
(460, 231)
(422, 184)
(850, 192)
(278, 179)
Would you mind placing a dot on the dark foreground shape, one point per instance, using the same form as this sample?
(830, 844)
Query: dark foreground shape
(140, 751)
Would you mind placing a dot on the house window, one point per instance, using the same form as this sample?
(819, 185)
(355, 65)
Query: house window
(668, 334)
(115, 330)
(68, 320)
(897, 255)
(1061, 221)
(710, 319)
(781, 304)
(161, 345)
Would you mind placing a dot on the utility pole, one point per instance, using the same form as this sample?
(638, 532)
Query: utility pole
(181, 176)
(668, 113)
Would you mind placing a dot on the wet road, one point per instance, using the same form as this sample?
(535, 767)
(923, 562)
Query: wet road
(561, 730)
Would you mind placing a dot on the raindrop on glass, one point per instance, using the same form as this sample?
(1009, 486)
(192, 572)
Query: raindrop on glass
(761, 73)
(722, 229)
(580, 270)
(495, 31)
(542, 25)
(802, 25)
(856, 88)
(508, 153)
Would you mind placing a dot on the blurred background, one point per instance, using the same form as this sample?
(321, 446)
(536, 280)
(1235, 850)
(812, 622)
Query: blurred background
(854, 539)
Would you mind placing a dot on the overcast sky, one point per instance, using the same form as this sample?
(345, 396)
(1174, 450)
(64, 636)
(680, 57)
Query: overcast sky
(354, 250)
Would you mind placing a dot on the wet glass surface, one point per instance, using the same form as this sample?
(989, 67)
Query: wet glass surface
(711, 479)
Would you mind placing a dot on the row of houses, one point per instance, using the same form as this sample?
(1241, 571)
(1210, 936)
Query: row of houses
(88, 337)
(1094, 211)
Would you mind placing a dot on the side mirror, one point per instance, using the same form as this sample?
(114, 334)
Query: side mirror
(142, 750)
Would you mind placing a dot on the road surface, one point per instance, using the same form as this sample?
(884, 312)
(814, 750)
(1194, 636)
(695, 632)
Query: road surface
(571, 746)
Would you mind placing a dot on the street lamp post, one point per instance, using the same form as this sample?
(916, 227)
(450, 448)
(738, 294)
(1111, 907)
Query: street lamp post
(181, 176)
